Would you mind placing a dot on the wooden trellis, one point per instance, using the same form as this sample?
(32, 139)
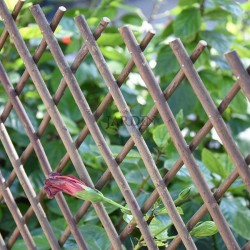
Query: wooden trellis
(161, 106)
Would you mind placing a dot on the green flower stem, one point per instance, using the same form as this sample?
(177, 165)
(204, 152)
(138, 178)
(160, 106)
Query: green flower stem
(163, 229)
(124, 209)
(93, 195)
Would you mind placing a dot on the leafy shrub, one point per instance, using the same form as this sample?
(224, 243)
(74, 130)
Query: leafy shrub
(224, 25)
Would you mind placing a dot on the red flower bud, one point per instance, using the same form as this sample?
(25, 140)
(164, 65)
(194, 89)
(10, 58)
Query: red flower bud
(69, 184)
(66, 183)
(66, 40)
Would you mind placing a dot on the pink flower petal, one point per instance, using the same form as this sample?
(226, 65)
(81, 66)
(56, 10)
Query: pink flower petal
(66, 183)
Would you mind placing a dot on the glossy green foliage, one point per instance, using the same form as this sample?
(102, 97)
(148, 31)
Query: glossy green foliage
(224, 25)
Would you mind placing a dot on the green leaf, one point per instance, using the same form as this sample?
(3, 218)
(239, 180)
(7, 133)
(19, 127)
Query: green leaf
(87, 72)
(11, 4)
(238, 188)
(213, 164)
(91, 154)
(180, 117)
(1, 213)
(136, 176)
(219, 40)
(187, 24)
(116, 149)
(132, 18)
(37, 179)
(14, 122)
(115, 66)
(165, 211)
(190, 207)
(99, 241)
(237, 214)
(67, 108)
(67, 28)
(243, 141)
(109, 39)
(187, 2)
(7, 223)
(19, 139)
(128, 218)
(241, 49)
(177, 102)
(183, 174)
(54, 151)
(128, 8)
(105, 8)
(230, 6)
(211, 79)
(70, 124)
(109, 129)
(245, 6)
(166, 62)
(183, 195)
(32, 31)
(220, 62)
(114, 53)
(240, 104)
(203, 229)
(14, 77)
(40, 240)
(159, 229)
(161, 136)
(217, 14)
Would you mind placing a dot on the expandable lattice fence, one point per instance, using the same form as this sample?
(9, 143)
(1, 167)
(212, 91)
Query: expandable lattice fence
(113, 170)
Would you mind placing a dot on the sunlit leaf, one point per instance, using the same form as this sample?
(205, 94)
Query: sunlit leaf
(109, 39)
(187, 24)
(213, 164)
(161, 136)
(32, 31)
(204, 229)
(159, 229)
(11, 4)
